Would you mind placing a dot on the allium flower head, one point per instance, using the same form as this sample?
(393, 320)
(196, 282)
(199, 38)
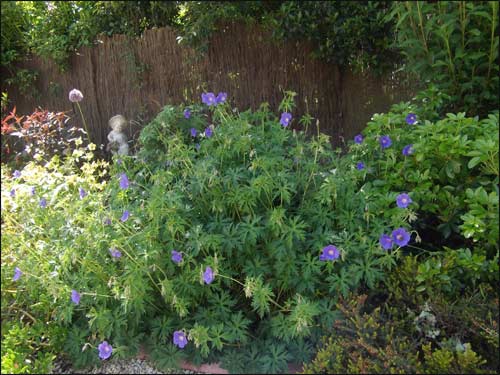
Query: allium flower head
(187, 113)
(208, 132)
(221, 98)
(43, 203)
(403, 200)
(82, 192)
(386, 242)
(75, 297)
(194, 133)
(105, 350)
(12, 193)
(401, 237)
(17, 274)
(125, 216)
(124, 184)
(208, 98)
(358, 139)
(411, 119)
(16, 174)
(330, 252)
(285, 119)
(75, 96)
(208, 275)
(176, 257)
(408, 150)
(115, 253)
(360, 166)
(385, 141)
(180, 339)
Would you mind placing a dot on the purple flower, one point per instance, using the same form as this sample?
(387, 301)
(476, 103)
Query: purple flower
(358, 139)
(208, 132)
(330, 252)
(411, 119)
(83, 194)
(43, 203)
(16, 174)
(125, 216)
(107, 221)
(360, 166)
(401, 237)
(33, 190)
(193, 132)
(403, 200)
(408, 150)
(13, 193)
(75, 96)
(285, 119)
(115, 253)
(119, 162)
(386, 242)
(208, 275)
(124, 184)
(17, 274)
(75, 297)
(221, 98)
(180, 339)
(187, 113)
(208, 98)
(105, 350)
(197, 146)
(385, 141)
(176, 257)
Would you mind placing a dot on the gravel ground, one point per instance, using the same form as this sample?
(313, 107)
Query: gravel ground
(117, 366)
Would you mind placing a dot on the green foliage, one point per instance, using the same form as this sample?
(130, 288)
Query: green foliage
(384, 342)
(452, 175)
(454, 45)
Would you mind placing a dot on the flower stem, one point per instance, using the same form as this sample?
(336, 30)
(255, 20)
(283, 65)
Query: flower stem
(84, 122)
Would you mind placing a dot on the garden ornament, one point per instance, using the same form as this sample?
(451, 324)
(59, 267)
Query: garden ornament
(117, 139)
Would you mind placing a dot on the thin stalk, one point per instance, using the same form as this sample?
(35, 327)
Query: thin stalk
(422, 26)
(84, 122)
(494, 10)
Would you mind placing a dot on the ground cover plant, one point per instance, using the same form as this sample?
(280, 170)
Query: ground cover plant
(231, 237)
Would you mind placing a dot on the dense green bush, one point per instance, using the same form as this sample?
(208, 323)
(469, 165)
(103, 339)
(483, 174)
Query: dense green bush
(454, 45)
(255, 201)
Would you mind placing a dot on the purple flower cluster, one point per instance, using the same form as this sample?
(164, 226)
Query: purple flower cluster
(208, 132)
(43, 203)
(75, 297)
(180, 339)
(411, 119)
(105, 350)
(124, 184)
(398, 236)
(407, 150)
(12, 193)
(403, 200)
(17, 274)
(187, 113)
(330, 252)
(75, 96)
(210, 99)
(82, 192)
(358, 139)
(385, 141)
(115, 253)
(208, 275)
(176, 257)
(16, 174)
(285, 119)
(360, 166)
(125, 216)
(194, 133)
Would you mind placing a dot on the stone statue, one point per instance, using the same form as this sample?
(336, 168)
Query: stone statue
(117, 139)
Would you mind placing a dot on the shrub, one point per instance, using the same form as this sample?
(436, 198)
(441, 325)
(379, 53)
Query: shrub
(453, 45)
(255, 202)
(38, 136)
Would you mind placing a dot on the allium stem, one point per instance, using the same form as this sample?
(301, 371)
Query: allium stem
(84, 122)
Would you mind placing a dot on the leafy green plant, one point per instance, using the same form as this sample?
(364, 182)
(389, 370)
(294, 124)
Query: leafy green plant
(454, 45)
